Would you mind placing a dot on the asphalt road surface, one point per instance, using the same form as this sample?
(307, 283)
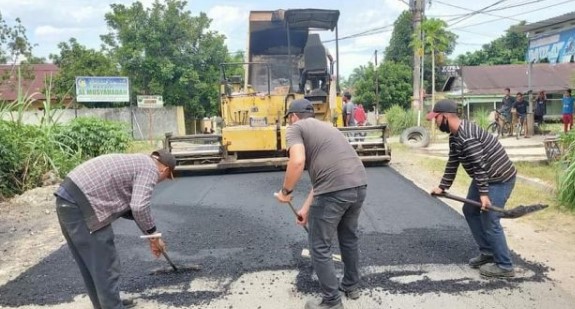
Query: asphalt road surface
(414, 251)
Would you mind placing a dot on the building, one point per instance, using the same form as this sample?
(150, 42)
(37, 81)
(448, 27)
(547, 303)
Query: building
(32, 81)
(551, 40)
(483, 86)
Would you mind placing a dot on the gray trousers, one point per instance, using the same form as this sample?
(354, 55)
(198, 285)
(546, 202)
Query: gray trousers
(95, 254)
(331, 213)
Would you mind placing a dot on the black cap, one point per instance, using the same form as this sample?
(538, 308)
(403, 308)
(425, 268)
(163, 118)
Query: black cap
(347, 95)
(300, 106)
(166, 158)
(442, 106)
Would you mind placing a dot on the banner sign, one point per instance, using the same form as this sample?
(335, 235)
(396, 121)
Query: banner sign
(557, 48)
(150, 101)
(102, 89)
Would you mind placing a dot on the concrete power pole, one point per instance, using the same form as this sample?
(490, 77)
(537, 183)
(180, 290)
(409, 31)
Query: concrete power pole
(417, 8)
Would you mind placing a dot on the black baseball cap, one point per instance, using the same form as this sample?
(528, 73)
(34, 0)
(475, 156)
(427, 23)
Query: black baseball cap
(442, 106)
(166, 158)
(303, 106)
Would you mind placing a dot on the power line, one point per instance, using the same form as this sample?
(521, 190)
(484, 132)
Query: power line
(471, 10)
(492, 20)
(476, 12)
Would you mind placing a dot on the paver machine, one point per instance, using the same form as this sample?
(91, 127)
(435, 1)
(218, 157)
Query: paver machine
(285, 60)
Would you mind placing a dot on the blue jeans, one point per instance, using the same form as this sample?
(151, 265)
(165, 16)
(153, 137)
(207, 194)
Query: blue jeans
(331, 213)
(485, 226)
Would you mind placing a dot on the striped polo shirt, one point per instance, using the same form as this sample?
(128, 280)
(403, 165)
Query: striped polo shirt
(480, 154)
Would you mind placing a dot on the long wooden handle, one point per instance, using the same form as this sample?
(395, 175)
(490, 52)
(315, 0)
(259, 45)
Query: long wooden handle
(468, 201)
(298, 216)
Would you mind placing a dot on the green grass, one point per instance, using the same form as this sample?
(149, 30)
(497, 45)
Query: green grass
(523, 193)
(142, 147)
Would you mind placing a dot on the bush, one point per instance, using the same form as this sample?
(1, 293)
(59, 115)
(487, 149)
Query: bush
(565, 192)
(93, 136)
(399, 119)
(481, 118)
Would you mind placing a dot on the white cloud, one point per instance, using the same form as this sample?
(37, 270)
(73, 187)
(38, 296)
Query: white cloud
(51, 31)
(231, 21)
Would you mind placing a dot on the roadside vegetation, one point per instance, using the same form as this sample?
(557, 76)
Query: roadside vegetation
(30, 154)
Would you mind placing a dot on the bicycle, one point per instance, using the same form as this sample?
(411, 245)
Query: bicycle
(495, 127)
(519, 128)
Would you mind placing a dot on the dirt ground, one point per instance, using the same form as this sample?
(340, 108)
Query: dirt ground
(29, 230)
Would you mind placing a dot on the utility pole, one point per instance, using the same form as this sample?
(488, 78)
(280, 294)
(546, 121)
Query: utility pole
(376, 90)
(417, 8)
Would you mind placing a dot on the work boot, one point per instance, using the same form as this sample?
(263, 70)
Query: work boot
(351, 294)
(481, 259)
(495, 271)
(315, 304)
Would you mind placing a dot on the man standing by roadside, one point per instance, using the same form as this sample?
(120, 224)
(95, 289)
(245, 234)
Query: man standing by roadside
(520, 107)
(493, 180)
(333, 205)
(348, 111)
(567, 111)
(95, 194)
(505, 110)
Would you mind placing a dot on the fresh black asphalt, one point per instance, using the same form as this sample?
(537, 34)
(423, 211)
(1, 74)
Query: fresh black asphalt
(232, 225)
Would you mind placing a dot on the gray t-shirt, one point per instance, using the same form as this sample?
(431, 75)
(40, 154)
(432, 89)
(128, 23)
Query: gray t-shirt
(331, 161)
(348, 109)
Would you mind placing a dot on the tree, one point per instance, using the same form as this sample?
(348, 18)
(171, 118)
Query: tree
(399, 49)
(507, 49)
(166, 51)
(395, 84)
(74, 60)
(438, 41)
(14, 43)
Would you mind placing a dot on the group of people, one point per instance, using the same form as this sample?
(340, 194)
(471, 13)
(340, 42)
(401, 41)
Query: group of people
(517, 104)
(108, 187)
(339, 188)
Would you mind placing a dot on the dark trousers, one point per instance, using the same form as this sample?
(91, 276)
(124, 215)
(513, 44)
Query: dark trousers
(95, 254)
(485, 225)
(331, 213)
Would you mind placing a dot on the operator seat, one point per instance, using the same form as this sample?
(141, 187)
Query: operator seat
(315, 63)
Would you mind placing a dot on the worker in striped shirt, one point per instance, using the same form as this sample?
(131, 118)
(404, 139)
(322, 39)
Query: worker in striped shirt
(493, 180)
(95, 194)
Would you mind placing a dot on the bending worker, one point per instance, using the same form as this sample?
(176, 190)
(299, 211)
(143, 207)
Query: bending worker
(94, 195)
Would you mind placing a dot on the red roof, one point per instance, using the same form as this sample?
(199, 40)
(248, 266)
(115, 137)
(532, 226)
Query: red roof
(493, 79)
(9, 86)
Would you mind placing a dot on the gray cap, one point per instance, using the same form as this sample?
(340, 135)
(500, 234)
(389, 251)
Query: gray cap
(442, 106)
(300, 106)
(166, 158)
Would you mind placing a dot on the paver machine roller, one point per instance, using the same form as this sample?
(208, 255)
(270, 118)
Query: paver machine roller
(285, 60)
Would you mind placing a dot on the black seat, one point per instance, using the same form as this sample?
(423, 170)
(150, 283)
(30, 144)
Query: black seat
(315, 63)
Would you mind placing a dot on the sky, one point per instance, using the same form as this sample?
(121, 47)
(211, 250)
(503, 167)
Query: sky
(49, 22)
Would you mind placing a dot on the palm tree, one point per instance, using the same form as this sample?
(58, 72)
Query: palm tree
(436, 39)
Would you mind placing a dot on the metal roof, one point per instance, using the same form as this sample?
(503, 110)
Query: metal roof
(549, 22)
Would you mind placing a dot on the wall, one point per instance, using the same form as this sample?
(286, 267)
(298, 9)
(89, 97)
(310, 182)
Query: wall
(156, 121)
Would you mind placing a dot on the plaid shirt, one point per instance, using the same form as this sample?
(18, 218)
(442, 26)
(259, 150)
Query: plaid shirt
(117, 183)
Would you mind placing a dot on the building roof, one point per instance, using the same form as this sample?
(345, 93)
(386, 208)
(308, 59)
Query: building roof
(34, 85)
(549, 22)
(480, 80)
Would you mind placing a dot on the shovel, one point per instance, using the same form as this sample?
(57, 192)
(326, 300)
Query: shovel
(305, 252)
(512, 213)
(174, 268)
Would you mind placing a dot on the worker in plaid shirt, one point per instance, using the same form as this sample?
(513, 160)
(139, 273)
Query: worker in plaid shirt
(95, 194)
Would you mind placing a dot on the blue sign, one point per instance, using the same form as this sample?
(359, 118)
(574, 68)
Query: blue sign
(102, 89)
(557, 48)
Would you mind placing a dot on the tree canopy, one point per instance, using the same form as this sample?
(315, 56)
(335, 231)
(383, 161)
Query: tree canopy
(74, 60)
(507, 49)
(395, 84)
(167, 51)
(399, 49)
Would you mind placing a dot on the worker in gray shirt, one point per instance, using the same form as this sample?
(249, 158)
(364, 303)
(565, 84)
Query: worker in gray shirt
(333, 205)
(95, 194)
(348, 110)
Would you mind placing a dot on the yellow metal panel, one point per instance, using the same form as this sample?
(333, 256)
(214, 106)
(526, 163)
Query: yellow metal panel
(245, 138)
